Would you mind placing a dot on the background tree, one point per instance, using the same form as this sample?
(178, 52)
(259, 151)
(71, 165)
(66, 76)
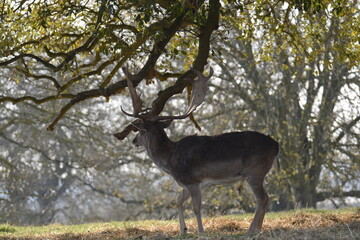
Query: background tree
(301, 85)
(69, 52)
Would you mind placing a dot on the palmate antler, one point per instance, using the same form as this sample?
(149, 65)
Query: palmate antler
(199, 88)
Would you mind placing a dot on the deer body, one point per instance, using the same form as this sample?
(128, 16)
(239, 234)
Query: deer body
(220, 157)
(198, 161)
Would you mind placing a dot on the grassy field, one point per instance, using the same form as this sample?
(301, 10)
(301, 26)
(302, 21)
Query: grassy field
(299, 224)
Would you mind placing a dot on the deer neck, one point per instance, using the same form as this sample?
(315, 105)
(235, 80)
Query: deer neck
(160, 149)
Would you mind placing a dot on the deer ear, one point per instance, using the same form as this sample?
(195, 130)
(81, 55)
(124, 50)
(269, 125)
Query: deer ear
(165, 123)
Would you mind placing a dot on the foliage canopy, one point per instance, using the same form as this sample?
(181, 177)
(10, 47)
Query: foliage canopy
(75, 48)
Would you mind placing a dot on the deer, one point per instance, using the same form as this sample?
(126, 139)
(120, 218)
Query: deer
(195, 162)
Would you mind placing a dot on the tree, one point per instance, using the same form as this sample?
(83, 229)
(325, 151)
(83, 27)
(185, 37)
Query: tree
(82, 45)
(296, 81)
(68, 52)
(74, 176)
(108, 33)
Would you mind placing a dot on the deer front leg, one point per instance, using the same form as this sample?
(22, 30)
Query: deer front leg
(184, 195)
(195, 193)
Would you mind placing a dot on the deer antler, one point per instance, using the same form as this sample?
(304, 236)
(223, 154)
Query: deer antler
(135, 98)
(197, 95)
(199, 90)
(137, 106)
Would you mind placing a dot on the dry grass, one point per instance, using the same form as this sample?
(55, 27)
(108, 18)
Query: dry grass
(303, 224)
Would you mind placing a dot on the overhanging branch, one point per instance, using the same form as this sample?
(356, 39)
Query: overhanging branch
(158, 48)
(83, 96)
(199, 63)
(35, 100)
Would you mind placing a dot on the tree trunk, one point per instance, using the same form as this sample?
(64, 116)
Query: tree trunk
(306, 195)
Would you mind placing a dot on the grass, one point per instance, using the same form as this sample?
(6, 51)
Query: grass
(298, 224)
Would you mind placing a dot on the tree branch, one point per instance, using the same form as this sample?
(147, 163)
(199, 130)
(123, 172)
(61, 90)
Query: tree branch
(89, 44)
(158, 49)
(199, 63)
(347, 128)
(106, 193)
(78, 98)
(35, 100)
(321, 196)
(37, 77)
(24, 55)
(87, 74)
(116, 87)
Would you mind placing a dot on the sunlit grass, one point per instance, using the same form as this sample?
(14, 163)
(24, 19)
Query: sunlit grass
(295, 224)
(7, 228)
(55, 229)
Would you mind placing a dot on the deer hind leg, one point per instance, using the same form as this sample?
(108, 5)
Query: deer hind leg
(184, 195)
(262, 199)
(195, 193)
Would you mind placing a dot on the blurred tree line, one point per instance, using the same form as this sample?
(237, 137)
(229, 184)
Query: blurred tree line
(289, 69)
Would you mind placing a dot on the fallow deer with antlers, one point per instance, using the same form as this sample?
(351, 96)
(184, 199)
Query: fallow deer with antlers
(199, 161)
